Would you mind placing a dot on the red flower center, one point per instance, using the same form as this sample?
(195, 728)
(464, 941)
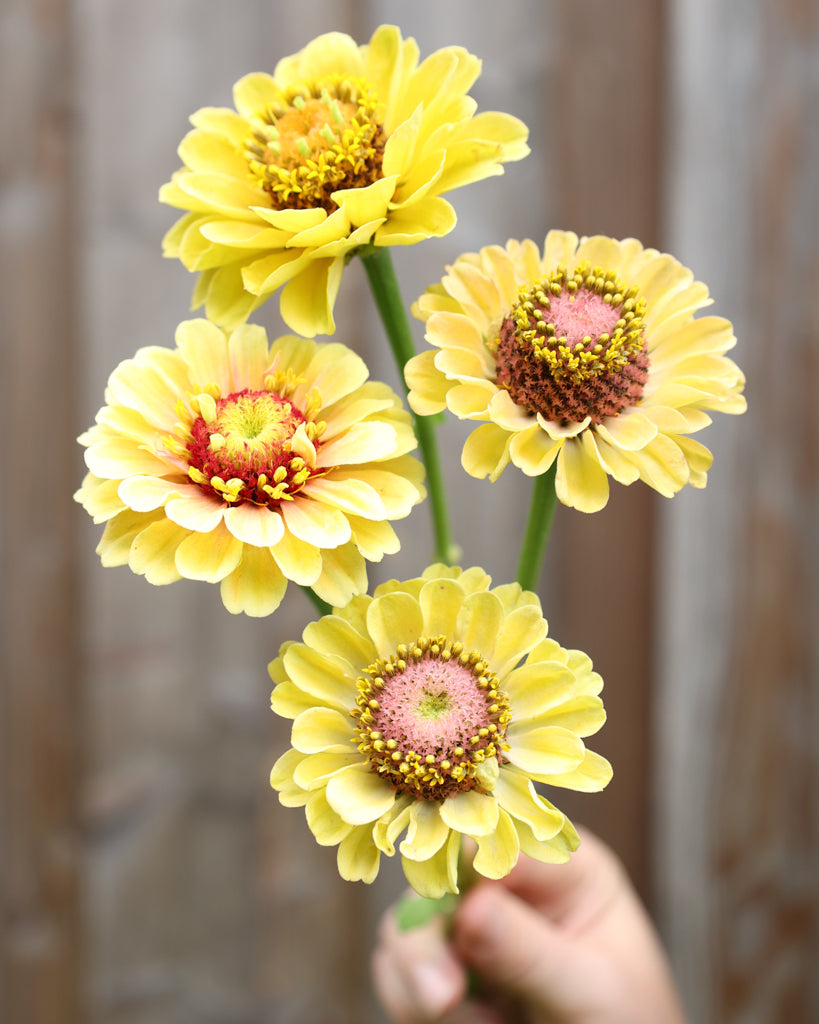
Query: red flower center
(252, 447)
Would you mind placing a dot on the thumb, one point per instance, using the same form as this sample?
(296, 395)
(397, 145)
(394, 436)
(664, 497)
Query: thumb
(517, 950)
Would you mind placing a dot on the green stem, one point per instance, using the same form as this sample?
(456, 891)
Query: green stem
(384, 286)
(538, 526)
(321, 606)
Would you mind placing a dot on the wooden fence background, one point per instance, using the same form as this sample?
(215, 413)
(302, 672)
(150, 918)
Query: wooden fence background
(147, 873)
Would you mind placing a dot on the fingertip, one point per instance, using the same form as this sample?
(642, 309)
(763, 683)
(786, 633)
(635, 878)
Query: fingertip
(474, 924)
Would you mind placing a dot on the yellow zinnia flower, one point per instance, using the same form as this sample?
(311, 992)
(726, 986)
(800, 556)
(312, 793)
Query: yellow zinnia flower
(432, 707)
(589, 355)
(343, 146)
(231, 461)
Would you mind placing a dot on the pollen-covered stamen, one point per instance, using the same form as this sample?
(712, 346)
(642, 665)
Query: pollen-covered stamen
(252, 446)
(323, 136)
(573, 346)
(432, 719)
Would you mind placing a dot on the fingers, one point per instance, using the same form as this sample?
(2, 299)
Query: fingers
(515, 949)
(415, 973)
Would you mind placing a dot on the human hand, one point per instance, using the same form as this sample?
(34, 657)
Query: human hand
(550, 944)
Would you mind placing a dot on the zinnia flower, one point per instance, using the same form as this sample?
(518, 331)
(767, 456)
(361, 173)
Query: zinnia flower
(343, 146)
(433, 707)
(589, 355)
(231, 461)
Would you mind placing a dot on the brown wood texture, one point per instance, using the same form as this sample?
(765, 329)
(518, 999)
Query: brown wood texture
(690, 124)
(737, 804)
(604, 153)
(40, 700)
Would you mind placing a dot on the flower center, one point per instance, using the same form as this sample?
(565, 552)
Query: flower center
(432, 719)
(573, 346)
(323, 137)
(252, 445)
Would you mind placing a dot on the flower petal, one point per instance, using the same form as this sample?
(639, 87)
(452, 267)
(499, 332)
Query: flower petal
(471, 813)
(498, 851)
(545, 751)
(438, 875)
(427, 831)
(255, 587)
(358, 795)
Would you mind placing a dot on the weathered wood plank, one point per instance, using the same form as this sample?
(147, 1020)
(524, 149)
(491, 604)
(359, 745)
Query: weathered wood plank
(602, 141)
(738, 780)
(41, 732)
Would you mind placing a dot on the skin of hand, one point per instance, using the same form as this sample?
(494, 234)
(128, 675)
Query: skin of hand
(550, 944)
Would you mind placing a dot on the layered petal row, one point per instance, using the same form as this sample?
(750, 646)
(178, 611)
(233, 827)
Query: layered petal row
(436, 709)
(343, 146)
(234, 461)
(587, 354)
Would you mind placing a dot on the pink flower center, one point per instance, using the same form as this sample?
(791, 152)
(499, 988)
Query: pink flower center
(431, 717)
(573, 346)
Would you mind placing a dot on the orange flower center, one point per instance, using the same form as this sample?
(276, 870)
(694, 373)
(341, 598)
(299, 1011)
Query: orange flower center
(573, 346)
(431, 718)
(251, 446)
(322, 137)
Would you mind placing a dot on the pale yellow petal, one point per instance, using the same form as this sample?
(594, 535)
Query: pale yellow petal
(438, 875)
(440, 601)
(322, 676)
(256, 586)
(145, 493)
(486, 451)
(516, 795)
(498, 851)
(480, 619)
(591, 775)
(581, 482)
(327, 827)
(630, 431)
(427, 831)
(195, 510)
(205, 350)
(152, 553)
(363, 442)
(358, 856)
(307, 301)
(256, 525)
(333, 635)
(299, 561)
(313, 771)
(394, 619)
(533, 451)
(359, 795)
(343, 574)
(546, 751)
(471, 813)
(208, 556)
(321, 728)
(315, 523)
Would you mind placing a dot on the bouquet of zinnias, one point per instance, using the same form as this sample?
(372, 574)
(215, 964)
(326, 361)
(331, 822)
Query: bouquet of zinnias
(438, 707)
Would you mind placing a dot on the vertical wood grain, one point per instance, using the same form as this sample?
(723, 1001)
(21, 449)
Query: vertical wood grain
(603, 146)
(40, 707)
(738, 782)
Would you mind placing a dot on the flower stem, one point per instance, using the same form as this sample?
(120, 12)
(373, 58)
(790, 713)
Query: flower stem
(384, 286)
(320, 605)
(538, 526)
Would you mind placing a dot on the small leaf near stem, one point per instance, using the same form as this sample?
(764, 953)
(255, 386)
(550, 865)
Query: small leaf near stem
(384, 286)
(538, 527)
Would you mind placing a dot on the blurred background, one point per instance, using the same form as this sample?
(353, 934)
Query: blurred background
(147, 872)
